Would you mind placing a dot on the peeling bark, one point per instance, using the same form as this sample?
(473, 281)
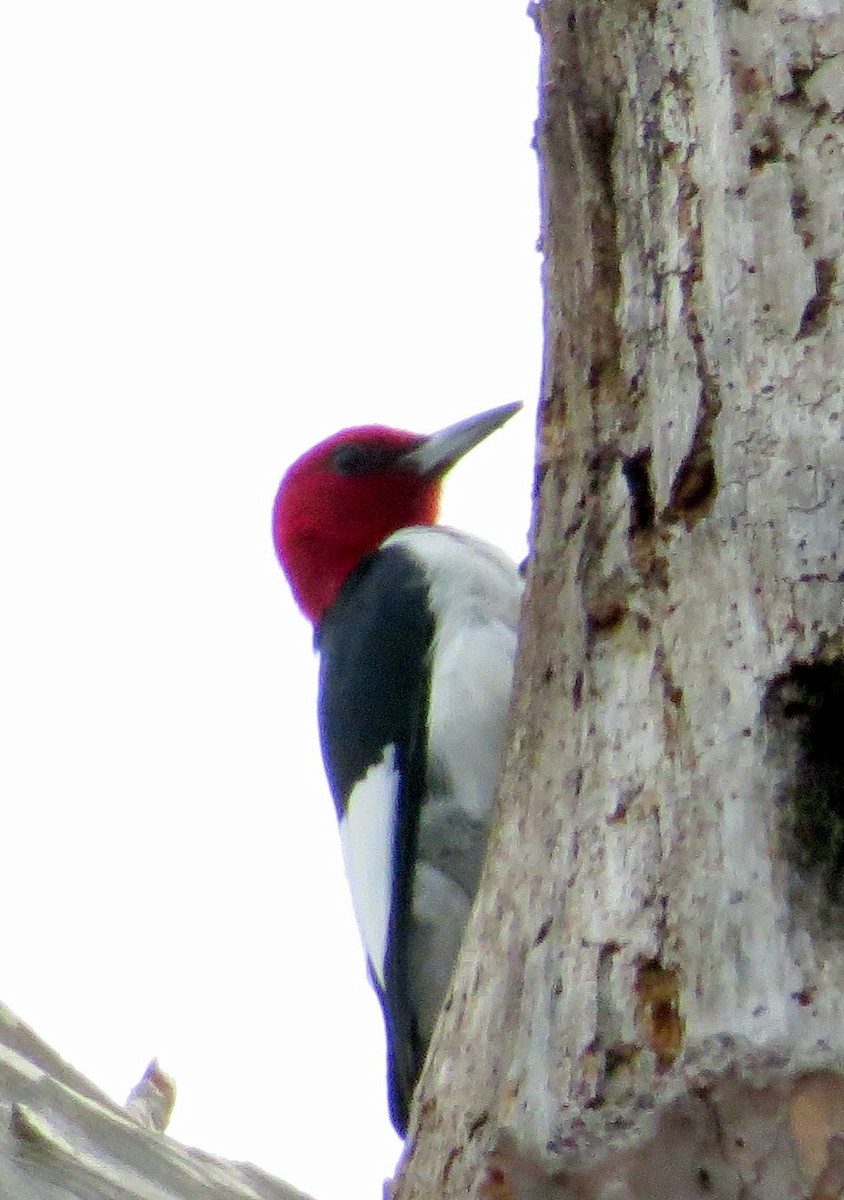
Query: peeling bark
(649, 1001)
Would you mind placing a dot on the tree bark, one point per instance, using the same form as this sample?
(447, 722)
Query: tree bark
(649, 1000)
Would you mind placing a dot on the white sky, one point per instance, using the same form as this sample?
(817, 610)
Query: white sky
(226, 231)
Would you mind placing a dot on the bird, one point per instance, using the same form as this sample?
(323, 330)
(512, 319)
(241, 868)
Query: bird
(415, 624)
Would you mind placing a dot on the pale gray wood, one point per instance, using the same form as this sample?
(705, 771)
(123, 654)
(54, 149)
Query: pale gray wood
(62, 1139)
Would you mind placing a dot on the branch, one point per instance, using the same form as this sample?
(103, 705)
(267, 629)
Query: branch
(63, 1139)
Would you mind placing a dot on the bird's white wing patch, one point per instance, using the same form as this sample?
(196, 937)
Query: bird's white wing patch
(367, 833)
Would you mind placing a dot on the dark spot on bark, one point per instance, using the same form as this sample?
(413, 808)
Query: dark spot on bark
(542, 932)
(577, 690)
(478, 1124)
(627, 797)
(805, 996)
(496, 1178)
(637, 472)
(606, 616)
(815, 312)
(658, 1011)
(695, 486)
(619, 814)
(767, 148)
(799, 203)
(704, 1179)
(451, 1159)
(619, 1056)
(800, 76)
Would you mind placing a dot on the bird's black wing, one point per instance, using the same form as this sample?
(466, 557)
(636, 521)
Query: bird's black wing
(374, 644)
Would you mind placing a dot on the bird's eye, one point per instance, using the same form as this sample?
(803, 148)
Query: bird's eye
(356, 458)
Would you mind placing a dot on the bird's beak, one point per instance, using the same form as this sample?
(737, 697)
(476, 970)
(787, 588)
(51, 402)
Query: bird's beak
(437, 453)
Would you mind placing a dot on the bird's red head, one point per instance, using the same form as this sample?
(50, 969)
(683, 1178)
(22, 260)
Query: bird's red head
(339, 502)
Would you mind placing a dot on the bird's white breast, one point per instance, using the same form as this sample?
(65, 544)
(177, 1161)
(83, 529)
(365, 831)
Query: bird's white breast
(475, 597)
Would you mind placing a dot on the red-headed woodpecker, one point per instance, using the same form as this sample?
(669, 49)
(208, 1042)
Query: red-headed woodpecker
(416, 630)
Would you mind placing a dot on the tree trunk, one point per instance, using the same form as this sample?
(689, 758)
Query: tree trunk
(649, 1001)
